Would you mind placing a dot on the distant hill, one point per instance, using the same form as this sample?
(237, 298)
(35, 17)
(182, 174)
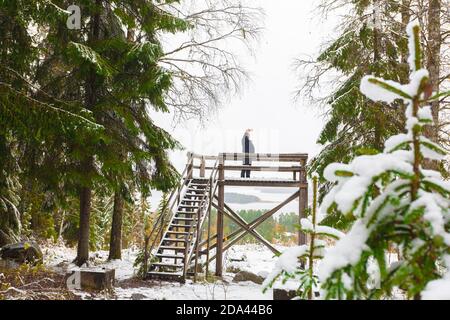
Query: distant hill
(233, 197)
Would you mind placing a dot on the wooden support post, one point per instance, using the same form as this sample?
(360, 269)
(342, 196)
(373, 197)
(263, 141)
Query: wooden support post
(190, 165)
(221, 205)
(302, 201)
(202, 167)
(208, 239)
(197, 242)
(185, 260)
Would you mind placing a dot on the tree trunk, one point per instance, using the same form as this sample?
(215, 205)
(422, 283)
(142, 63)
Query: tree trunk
(406, 15)
(88, 165)
(377, 50)
(433, 60)
(61, 226)
(83, 231)
(115, 245)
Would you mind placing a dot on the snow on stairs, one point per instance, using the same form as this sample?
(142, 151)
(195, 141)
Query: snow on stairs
(181, 232)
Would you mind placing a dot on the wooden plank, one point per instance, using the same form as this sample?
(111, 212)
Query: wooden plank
(256, 168)
(302, 205)
(278, 157)
(263, 183)
(208, 236)
(219, 242)
(290, 157)
(197, 240)
(206, 157)
(264, 168)
(190, 164)
(202, 167)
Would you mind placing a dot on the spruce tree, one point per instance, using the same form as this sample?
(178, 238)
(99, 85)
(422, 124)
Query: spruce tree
(33, 121)
(370, 42)
(395, 201)
(117, 78)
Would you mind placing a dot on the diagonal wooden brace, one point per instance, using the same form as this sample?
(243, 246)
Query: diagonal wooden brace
(245, 226)
(255, 223)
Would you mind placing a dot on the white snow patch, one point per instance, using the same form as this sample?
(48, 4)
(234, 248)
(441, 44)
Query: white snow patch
(411, 43)
(60, 259)
(439, 289)
(394, 141)
(424, 113)
(287, 261)
(197, 291)
(376, 93)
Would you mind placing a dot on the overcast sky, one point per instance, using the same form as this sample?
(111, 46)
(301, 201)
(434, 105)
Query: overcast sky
(267, 102)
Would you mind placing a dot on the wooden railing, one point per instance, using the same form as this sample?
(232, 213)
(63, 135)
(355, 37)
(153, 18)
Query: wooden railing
(299, 158)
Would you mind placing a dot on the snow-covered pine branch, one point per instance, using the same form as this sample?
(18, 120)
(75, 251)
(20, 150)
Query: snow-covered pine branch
(394, 200)
(291, 264)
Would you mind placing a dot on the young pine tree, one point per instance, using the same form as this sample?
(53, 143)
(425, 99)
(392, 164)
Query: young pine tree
(394, 200)
(289, 264)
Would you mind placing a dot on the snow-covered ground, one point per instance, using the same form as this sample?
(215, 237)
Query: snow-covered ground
(254, 258)
(250, 257)
(225, 290)
(60, 259)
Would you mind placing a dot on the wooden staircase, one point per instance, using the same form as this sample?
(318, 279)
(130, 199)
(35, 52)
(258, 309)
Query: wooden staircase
(174, 254)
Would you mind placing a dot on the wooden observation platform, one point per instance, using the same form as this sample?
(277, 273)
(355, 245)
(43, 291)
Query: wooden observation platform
(182, 233)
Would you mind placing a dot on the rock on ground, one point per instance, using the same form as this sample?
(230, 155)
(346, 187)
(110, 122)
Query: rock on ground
(248, 276)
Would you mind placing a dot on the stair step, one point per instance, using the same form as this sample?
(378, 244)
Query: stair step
(186, 213)
(195, 199)
(199, 184)
(196, 191)
(193, 195)
(167, 265)
(171, 256)
(182, 226)
(192, 200)
(177, 232)
(169, 276)
(173, 240)
(165, 273)
(183, 219)
(172, 248)
(187, 206)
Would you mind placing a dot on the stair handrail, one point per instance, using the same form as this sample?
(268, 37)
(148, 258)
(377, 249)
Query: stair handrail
(187, 245)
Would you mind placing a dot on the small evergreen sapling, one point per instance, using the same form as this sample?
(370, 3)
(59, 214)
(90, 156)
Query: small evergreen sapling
(396, 203)
(288, 266)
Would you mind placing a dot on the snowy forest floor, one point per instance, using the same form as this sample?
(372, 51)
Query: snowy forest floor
(47, 282)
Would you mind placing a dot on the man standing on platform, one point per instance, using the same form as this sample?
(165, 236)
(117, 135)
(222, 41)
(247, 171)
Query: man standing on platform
(247, 147)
